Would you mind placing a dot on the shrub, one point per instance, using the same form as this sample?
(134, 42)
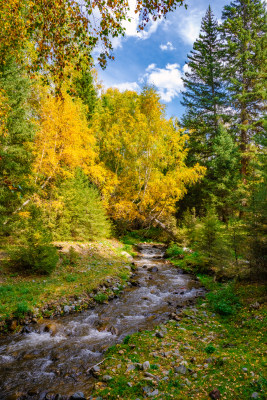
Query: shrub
(174, 251)
(100, 297)
(35, 254)
(38, 259)
(21, 310)
(224, 301)
(72, 258)
(210, 349)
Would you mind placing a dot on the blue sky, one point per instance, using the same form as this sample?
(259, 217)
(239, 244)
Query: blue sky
(158, 55)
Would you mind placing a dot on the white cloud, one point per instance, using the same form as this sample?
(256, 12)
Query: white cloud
(186, 68)
(127, 86)
(131, 27)
(168, 80)
(168, 46)
(189, 25)
(150, 67)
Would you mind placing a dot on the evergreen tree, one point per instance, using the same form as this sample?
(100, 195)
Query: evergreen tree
(77, 212)
(85, 89)
(243, 31)
(15, 153)
(222, 187)
(204, 95)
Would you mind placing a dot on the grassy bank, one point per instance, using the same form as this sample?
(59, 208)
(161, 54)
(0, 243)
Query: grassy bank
(82, 269)
(208, 351)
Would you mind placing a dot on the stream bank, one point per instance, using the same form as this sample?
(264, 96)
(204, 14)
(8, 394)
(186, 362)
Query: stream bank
(42, 362)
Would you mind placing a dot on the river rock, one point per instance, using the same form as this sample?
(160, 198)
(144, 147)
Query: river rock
(255, 395)
(66, 309)
(106, 378)
(153, 269)
(51, 328)
(113, 330)
(146, 365)
(78, 396)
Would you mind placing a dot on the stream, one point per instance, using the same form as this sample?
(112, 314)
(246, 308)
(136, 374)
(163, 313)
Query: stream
(36, 364)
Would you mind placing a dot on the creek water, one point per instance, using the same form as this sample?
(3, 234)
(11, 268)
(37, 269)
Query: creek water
(34, 364)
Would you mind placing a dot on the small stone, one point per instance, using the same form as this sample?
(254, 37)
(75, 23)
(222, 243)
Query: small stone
(181, 369)
(106, 378)
(209, 360)
(194, 375)
(130, 367)
(66, 309)
(215, 394)
(256, 306)
(188, 382)
(146, 365)
(96, 368)
(255, 395)
(160, 335)
(154, 393)
(77, 396)
(245, 369)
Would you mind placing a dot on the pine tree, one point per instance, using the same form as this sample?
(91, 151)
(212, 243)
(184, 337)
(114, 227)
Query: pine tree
(15, 153)
(204, 94)
(86, 91)
(76, 212)
(222, 186)
(242, 33)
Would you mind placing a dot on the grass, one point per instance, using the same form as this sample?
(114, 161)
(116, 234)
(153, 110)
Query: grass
(224, 352)
(80, 272)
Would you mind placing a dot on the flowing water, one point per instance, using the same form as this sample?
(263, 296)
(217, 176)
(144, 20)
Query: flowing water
(38, 362)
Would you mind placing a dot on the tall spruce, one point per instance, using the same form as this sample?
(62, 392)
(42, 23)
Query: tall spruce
(243, 33)
(204, 96)
(15, 151)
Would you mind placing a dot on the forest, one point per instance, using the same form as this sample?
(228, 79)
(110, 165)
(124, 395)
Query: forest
(89, 174)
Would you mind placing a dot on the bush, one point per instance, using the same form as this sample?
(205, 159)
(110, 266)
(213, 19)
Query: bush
(174, 251)
(38, 259)
(21, 310)
(210, 349)
(34, 254)
(224, 301)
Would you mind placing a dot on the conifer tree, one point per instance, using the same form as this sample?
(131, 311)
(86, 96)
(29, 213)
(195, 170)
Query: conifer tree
(243, 32)
(15, 152)
(204, 95)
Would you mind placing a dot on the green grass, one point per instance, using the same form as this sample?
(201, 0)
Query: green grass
(214, 348)
(76, 275)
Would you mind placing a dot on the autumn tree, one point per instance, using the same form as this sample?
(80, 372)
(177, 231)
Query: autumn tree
(63, 140)
(66, 31)
(145, 153)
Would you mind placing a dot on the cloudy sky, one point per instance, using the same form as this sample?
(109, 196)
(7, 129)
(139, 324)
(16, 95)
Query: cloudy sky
(158, 55)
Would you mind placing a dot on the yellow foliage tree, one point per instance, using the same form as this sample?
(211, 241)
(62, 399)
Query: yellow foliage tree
(146, 152)
(63, 140)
